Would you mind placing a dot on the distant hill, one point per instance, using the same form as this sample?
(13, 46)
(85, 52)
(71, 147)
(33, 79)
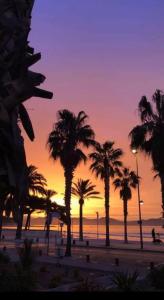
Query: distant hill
(87, 221)
(148, 222)
(94, 221)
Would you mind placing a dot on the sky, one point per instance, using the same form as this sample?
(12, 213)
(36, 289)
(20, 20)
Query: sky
(100, 56)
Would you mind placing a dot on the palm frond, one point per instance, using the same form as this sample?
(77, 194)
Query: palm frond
(70, 133)
(36, 181)
(125, 182)
(145, 110)
(84, 189)
(138, 136)
(105, 157)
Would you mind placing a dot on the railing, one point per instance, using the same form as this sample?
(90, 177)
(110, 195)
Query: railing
(117, 236)
(40, 233)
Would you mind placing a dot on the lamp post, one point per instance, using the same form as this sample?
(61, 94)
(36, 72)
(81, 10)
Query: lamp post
(27, 225)
(97, 214)
(140, 202)
(61, 229)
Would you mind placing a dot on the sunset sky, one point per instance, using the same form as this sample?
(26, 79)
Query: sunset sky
(99, 56)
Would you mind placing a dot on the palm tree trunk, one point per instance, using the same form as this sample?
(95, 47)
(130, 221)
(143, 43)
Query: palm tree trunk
(47, 230)
(81, 222)
(47, 224)
(125, 204)
(107, 193)
(68, 186)
(27, 221)
(20, 223)
(162, 192)
(107, 224)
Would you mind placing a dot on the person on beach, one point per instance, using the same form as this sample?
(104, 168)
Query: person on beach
(153, 234)
(156, 240)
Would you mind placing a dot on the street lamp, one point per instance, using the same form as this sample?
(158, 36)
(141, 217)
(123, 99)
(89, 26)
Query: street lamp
(140, 202)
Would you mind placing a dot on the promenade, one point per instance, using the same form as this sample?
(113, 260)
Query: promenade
(90, 256)
(90, 253)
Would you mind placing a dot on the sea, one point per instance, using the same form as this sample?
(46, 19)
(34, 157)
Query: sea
(98, 232)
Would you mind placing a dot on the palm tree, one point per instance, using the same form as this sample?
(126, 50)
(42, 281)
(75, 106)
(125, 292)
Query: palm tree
(65, 142)
(105, 165)
(45, 204)
(48, 197)
(49, 194)
(83, 189)
(36, 181)
(125, 182)
(36, 186)
(148, 137)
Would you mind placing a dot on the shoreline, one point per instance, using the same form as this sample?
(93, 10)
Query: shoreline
(55, 240)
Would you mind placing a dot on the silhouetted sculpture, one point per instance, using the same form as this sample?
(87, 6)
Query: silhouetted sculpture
(17, 84)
